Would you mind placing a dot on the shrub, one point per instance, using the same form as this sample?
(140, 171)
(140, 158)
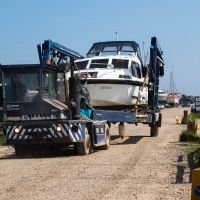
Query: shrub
(1, 138)
(184, 120)
(191, 118)
(188, 136)
(197, 155)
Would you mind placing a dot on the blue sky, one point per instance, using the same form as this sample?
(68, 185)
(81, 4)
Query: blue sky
(77, 24)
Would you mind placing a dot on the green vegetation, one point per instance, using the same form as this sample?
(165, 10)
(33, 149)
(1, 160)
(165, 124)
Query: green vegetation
(184, 120)
(191, 118)
(191, 137)
(1, 138)
(197, 155)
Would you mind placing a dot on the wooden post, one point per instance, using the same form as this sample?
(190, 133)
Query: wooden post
(185, 113)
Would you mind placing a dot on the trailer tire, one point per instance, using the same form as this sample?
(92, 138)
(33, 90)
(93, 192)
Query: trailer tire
(154, 130)
(21, 150)
(107, 139)
(84, 148)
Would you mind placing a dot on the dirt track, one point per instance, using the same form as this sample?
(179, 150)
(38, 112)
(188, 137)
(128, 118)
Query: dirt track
(135, 167)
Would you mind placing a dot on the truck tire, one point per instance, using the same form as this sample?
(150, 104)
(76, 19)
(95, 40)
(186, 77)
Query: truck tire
(84, 148)
(160, 120)
(107, 139)
(154, 130)
(21, 150)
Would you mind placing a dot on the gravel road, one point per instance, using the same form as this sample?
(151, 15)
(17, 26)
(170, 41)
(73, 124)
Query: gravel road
(135, 167)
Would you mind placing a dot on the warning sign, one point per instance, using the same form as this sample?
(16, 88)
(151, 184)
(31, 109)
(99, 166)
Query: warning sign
(197, 190)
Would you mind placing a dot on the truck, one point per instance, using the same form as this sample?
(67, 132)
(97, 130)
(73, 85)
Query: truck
(43, 110)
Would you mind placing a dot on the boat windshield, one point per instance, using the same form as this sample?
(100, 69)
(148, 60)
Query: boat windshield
(96, 49)
(21, 86)
(112, 48)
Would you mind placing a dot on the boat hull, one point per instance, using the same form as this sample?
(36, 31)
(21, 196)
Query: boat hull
(173, 101)
(162, 98)
(106, 95)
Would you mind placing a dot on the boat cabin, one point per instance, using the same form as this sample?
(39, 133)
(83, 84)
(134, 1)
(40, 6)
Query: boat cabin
(114, 55)
(114, 48)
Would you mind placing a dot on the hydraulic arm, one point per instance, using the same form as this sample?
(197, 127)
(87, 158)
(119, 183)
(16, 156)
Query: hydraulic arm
(51, 49)
(156, 69)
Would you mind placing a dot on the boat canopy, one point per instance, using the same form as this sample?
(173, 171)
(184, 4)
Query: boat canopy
(115, 48)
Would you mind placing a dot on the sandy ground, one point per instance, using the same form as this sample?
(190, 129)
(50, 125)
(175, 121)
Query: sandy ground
(135, 167)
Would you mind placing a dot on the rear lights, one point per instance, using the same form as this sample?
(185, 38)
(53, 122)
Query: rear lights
(74, 128)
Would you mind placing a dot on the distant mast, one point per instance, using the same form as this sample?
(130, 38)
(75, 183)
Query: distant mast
(171, 83)
(172, 88)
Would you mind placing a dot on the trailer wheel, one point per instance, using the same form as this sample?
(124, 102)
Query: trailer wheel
(21, 150)
(154, 130)
(107, 139)
(84, 148)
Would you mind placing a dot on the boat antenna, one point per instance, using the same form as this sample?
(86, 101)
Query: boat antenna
(116, 36)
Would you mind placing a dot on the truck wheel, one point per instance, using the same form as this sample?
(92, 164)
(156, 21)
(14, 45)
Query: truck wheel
(84, 148)
(107, 139)
(21, 150)
(154, 130)
(160, 120)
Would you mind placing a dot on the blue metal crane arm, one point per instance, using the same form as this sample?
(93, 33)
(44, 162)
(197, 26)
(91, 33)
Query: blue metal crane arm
(155, 70)
(155, 45)
(50, 48)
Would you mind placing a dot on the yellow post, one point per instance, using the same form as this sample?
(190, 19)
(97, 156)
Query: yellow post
(197, 127)
(195, 193)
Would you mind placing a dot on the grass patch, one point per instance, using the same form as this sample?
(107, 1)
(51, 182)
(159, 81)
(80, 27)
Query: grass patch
(190, 147)
(197, 155)
(1, 138)
(189, 136)
(193, 141)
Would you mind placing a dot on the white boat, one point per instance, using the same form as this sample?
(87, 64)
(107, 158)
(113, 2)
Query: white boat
(162, 96)
(173, 99)
(114, 73)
